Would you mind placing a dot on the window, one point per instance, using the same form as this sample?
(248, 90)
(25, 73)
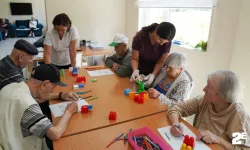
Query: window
(192, 24)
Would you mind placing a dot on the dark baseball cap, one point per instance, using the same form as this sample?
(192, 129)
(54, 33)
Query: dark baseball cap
(47, 72)
(25, 46)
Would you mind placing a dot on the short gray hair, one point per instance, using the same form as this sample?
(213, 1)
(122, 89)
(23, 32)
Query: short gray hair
(176, 60)
(229, 86)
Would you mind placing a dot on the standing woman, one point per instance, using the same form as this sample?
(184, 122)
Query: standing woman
(60, 43)
(150, 47)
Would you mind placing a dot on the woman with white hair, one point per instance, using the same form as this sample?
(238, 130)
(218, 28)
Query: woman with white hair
(173, 83)
(218, 114)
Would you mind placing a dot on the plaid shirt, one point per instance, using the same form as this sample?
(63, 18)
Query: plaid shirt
(9, 72)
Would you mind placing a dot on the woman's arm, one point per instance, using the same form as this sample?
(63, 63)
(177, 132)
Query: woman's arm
(47, 54)
(159, 64)
(72, 52)
(135, 59)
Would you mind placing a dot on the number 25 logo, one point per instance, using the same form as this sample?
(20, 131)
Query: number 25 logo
(238, 138)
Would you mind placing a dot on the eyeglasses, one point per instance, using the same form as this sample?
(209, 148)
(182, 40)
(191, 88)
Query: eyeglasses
(172, 68)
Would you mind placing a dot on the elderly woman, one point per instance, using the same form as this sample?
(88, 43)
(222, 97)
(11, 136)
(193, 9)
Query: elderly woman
(173, 83)
(218, 114)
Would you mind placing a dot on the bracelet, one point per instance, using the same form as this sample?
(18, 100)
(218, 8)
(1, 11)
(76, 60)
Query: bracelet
(60, 94)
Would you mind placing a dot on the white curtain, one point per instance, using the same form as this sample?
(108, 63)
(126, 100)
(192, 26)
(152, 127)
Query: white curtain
(176, 3)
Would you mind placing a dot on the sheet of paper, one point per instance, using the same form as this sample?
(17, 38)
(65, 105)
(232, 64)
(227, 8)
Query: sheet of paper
(102, 72)
(176, 142)
(59, 109)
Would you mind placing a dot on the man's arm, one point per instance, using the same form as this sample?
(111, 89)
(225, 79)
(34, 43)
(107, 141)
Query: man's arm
(56, 131)
(110, 61)
(125, 69)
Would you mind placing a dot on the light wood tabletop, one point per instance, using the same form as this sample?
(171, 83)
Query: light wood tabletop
(99, 139)
(110, 92)
(86, 51)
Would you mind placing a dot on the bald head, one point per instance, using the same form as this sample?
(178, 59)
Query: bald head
(20, 58)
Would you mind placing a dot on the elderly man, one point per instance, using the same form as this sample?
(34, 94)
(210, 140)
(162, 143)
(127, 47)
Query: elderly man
(121, 61)
(11, 69)
(218, 114)
(23, 124)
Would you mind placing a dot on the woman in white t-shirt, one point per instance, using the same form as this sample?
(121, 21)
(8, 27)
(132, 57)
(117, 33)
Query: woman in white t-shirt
(33, 26)
(60, 43)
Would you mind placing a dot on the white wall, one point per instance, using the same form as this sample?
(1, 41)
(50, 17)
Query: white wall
(97, 20)
(38, 7)
(240, 58)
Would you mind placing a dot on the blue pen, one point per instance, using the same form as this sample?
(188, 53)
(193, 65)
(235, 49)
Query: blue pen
(167, 136)
(178, 128)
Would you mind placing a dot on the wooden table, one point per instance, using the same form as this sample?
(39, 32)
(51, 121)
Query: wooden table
(110, 92)
(99, 139)
(86, 51)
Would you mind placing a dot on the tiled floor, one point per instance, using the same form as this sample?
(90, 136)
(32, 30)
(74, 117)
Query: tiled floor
(7, 45)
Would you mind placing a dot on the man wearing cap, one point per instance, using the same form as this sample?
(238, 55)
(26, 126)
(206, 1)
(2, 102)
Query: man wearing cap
(11, 68)
(23, 125)
(11, 65)
(121, 61)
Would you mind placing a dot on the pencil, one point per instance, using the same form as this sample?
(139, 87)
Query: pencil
(92, 98)
(115, 140)
(167, 136)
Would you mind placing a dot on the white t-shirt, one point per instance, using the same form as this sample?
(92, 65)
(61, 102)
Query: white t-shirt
(33, 24)
(60, 48)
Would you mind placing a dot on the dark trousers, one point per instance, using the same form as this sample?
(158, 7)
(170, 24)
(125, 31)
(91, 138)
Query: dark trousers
(63, 67)
(32, 30)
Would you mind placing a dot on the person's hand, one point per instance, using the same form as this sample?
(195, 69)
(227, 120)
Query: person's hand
(72, 108)
(208, 137)
(135, 75)
(115, 66)
(176, 131)
(153, 93)
(69, 96)
(148, 79)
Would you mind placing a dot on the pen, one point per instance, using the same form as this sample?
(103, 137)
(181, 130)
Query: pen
(115, 140)
(178, 128)
(167, 136)
(83, 92)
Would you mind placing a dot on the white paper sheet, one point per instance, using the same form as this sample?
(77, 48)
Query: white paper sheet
(59, 109)
(176, 142)
(102, 72)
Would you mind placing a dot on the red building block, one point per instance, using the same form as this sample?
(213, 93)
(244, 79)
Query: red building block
(84, 109)
(81, 79)
(112, 115)
(139, 99)
(189, 141)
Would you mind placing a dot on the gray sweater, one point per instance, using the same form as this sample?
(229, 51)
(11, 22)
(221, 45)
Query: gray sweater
(125, 69)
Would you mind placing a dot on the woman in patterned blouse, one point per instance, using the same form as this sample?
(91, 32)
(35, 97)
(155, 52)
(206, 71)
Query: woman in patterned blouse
(173, 83)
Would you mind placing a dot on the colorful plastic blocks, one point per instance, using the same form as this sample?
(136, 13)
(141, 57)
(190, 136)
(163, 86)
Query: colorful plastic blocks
(188, 143)
(75, 72)
(81, 79)
(112, 115)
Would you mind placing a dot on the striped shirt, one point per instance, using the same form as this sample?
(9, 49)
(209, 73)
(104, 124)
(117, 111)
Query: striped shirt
(9, 72)
(33, 122)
